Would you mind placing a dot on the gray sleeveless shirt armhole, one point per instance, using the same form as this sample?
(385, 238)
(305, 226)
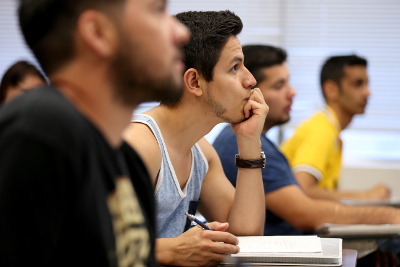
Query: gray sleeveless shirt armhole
(171, 201)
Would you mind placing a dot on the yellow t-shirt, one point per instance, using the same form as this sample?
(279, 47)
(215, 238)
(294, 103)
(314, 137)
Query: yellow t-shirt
(316, 148)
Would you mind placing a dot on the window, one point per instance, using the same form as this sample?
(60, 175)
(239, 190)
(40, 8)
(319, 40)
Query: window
(12, 44)
(310, 31)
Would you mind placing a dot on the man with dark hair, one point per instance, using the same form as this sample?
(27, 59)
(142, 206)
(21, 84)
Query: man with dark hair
(184, 167)
(72, 193)
(289, 210)
(315, 150)
(334, 69)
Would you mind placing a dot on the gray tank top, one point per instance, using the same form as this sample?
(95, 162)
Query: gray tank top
(171, 201)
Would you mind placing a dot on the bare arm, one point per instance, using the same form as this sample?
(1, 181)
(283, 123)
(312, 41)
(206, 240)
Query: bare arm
(243, 208)
(140, 137)
(195, 246)
(309, 184)
(304, 213)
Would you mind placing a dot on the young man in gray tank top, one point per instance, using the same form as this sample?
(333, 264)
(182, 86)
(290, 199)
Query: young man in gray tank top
(184, 167)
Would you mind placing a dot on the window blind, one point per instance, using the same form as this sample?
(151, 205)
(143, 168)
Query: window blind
(261, 18)
(12, 45)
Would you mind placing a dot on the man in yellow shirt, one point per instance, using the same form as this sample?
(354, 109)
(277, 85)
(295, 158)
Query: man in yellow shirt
(315, 150)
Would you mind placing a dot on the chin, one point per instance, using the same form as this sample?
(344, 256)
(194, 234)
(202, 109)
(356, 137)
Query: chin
(238, 119)
(281, 121)
(361, 111)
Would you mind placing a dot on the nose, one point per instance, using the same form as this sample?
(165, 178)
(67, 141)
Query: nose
(181, 33)
(249, 81)
(291, 92)
(367, 91)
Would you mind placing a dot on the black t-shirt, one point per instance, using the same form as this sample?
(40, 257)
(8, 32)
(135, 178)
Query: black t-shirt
(66, 197)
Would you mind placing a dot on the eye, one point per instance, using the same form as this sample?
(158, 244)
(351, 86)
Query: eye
(234, 68)
(360, 83)
(278, 86)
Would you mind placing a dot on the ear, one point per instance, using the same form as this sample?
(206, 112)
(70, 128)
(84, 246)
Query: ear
(331, 90)
(192, 83)
(98, 32)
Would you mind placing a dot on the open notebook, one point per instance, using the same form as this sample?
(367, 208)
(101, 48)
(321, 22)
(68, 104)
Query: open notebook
(288, 250)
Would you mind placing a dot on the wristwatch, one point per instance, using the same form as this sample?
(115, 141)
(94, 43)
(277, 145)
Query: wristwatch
(250, 163)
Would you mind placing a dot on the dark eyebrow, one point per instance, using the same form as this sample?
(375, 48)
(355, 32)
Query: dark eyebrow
(236, 59)
(162, 1)
(361, 80)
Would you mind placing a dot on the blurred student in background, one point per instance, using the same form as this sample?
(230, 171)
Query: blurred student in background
(19, 78)
(315, 150)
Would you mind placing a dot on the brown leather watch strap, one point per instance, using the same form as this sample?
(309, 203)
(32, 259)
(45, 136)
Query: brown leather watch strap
(250, 163)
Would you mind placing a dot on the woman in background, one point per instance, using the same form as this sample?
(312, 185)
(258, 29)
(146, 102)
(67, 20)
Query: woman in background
(19, 78)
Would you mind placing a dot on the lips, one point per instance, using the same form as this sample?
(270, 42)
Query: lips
(288, 108)
(364, 104)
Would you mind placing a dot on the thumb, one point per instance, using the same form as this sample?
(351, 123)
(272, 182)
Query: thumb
(217, 226)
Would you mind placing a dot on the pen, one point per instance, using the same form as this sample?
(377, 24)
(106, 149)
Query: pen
(192, 218)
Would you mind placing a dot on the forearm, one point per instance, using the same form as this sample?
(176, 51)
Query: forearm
(331, 212)
(367, 214)
(164, 251)
(247, 214)
(321, 193)
(305, 213)
(310, 186)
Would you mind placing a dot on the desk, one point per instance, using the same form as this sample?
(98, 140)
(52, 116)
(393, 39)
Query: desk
(391, 202)
(359, 231)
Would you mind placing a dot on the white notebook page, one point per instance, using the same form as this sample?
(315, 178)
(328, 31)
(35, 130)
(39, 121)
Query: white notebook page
(280, 244)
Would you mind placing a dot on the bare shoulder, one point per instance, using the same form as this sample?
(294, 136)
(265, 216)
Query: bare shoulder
(208, 150)
(142, 139)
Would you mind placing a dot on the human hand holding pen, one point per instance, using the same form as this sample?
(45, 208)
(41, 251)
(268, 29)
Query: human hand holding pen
(194, 219)
(197, 247)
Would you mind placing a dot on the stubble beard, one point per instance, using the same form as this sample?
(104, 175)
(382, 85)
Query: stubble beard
(134, 84)
(218, 109)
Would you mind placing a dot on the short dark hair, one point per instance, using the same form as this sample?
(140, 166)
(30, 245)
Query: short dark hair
(16, 74)
(333, 68)
(210, 32)
(48, 27)
(258, 57)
